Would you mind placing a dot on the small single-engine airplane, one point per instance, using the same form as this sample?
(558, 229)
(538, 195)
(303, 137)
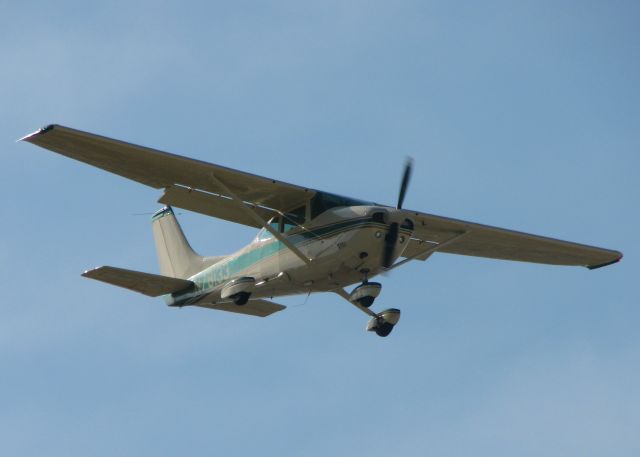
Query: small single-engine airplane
(309, 240)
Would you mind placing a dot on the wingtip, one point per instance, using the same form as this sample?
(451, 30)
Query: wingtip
(40, 131)
(87, 273)
(606, 264)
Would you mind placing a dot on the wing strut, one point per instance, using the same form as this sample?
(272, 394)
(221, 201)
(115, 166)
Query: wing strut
(256, 217)
(430, 250)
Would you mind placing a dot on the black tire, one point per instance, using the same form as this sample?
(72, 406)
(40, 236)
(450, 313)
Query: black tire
(384, 329)
(241, 298)
(366, 301)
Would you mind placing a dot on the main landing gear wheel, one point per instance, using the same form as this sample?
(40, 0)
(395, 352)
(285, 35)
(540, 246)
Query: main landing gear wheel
(241, 298)
(384, 322)
(238, 290)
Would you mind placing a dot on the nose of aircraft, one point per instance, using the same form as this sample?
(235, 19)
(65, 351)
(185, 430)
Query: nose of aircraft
(396, 220)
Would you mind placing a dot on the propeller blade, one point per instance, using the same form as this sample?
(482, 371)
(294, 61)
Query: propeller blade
(390, 241)
(406, 176)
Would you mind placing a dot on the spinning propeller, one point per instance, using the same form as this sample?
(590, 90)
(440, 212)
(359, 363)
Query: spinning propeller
(391, 238)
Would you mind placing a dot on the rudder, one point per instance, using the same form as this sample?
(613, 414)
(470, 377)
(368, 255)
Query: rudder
(176, 257)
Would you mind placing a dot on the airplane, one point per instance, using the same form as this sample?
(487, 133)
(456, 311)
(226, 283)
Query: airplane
(308, 240)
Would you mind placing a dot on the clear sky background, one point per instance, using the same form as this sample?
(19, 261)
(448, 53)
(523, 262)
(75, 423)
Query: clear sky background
(523, 115)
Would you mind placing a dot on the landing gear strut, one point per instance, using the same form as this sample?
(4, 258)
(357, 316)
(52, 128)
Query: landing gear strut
(362, 297)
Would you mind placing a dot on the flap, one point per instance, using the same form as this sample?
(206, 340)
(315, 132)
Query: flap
(212, 205)
(260, 308)
(498, 243)
(145, 283)
(161, 169)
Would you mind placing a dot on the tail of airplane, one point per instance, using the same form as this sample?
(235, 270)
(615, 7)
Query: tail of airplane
(176, 257)
(178, 262)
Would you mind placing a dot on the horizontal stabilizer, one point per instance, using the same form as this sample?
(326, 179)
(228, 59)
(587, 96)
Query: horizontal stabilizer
(260, 308)
(145, 283)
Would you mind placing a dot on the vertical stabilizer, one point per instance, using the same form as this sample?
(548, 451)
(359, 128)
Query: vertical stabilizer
(176, 257)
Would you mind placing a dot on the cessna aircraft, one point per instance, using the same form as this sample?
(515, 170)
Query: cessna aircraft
(309, 240)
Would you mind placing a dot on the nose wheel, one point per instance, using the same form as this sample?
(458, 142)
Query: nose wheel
(384, 322)
(362, 297)
(366, 293)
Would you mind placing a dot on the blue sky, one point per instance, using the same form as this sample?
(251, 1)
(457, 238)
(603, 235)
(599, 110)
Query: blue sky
(518, 114)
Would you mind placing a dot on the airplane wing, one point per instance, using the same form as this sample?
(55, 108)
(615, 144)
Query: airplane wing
(178, 174)
(498, 243)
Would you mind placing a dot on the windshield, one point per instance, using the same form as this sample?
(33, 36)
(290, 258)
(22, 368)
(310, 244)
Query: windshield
(323, 201)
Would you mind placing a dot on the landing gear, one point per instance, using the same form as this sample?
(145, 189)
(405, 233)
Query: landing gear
(384, 322)
(241, 298)
(365, 293)
(238, 290)
(363, 297)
